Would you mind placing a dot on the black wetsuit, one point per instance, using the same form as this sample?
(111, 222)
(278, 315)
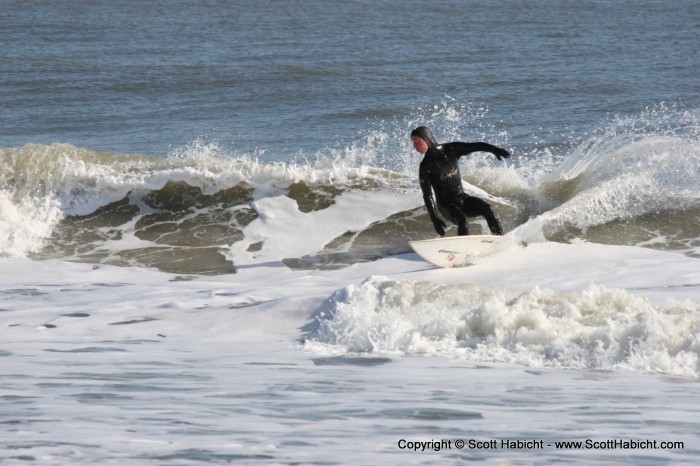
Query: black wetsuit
(439, 172)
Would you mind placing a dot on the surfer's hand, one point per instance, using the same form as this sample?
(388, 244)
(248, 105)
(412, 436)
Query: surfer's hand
(501, 153)
(439, 226)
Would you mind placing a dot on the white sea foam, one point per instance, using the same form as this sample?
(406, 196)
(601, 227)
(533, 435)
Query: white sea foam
(184, 369)
(596, 328)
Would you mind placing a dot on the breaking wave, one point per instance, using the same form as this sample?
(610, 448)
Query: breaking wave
(204, 209)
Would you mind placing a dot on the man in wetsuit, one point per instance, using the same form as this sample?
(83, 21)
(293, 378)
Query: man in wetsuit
(439, 172)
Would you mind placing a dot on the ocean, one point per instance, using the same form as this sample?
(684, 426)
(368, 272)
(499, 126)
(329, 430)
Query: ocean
(205, 210)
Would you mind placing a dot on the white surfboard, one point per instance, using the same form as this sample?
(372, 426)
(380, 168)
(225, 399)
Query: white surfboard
(459, 251)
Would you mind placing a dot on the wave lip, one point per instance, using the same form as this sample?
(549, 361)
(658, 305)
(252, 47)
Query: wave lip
(626, 189)
(597, 328)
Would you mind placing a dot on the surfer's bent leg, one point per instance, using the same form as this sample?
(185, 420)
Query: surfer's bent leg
(475, 207)
(456, 215)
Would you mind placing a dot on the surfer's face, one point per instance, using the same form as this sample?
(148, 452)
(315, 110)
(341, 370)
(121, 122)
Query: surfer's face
(419, 144)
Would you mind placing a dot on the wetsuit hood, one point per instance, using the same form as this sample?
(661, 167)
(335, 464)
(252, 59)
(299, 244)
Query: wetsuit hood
(425, 133)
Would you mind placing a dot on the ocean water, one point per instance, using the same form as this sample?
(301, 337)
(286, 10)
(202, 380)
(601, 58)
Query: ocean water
(205, 210)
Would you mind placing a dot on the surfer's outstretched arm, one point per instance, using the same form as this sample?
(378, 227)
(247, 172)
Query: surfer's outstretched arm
(459, 149)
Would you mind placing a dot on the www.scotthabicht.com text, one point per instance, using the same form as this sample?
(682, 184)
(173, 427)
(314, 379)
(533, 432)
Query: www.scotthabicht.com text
(538, 444)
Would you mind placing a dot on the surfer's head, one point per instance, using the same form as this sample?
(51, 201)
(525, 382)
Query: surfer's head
(423, 139)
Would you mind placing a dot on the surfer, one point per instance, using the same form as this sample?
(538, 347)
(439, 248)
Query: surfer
(439, 172)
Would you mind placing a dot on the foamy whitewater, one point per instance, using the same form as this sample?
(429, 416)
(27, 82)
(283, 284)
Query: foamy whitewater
(205, 210)
(208, 307)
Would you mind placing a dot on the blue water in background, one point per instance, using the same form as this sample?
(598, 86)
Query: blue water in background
(283, 78)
